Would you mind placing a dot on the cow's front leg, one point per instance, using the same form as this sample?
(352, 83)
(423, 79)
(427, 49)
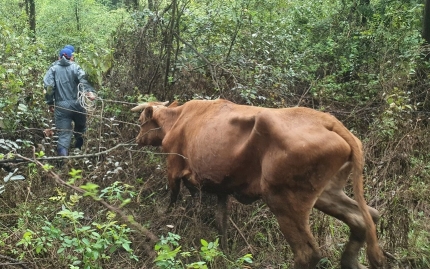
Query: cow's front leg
(174, 186)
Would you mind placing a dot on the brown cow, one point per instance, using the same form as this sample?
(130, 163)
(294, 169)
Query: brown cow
(293, 158)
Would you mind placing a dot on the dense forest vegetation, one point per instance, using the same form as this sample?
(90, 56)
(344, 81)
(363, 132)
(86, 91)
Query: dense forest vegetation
(365, 62)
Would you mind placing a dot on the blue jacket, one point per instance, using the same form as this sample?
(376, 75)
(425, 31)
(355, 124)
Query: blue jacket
(61, 82)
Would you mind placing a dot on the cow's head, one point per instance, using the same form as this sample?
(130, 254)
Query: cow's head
(150, 131)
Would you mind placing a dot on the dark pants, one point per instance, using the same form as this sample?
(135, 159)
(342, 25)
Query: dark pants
(67, 112)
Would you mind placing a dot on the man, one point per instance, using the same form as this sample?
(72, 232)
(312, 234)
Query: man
(70, 47)
(61, 84)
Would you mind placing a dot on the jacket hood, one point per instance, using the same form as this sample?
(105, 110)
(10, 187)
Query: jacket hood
(64, 62)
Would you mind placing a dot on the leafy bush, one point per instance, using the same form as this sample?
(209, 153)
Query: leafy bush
(168, 249)
(20, 68)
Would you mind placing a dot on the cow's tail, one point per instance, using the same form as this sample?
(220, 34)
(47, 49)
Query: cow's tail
(374, 252)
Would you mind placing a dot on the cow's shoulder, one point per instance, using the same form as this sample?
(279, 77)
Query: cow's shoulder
(206, 105)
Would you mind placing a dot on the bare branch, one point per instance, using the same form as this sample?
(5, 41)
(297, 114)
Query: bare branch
(210, 65)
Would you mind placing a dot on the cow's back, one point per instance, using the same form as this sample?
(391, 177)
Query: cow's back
(226, 144)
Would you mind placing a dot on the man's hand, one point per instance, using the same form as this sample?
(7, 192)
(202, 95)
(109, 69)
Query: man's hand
(51, 109)
(91, 96)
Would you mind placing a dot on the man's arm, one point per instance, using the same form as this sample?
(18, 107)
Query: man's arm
(90, 92)
(83, 79)
(49, 85)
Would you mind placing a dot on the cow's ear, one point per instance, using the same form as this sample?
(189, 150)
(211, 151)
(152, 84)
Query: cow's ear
(148, 112)
(174, 104)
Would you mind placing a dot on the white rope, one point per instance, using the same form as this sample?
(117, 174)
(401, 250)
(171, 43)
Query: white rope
(84, 99)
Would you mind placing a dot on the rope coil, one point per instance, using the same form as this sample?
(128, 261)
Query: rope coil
(85, 100)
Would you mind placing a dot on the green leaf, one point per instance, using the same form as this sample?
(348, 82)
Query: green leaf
(125, 202)
(86, 241)
(90, 186)
(126, 246)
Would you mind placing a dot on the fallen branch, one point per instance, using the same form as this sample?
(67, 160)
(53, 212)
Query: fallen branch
(241, 234)
(23, 159)
(9, 215)
(12, 262)
(389, 255)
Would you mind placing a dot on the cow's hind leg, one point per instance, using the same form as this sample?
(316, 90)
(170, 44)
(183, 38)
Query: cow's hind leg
(221, 219)
(292, 213)
(192, 202)
(335, 202)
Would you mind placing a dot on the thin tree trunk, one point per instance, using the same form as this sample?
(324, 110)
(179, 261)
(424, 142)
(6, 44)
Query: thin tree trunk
(78, 24)
(426, 22)
(365, 5)
(30, 9)
(132, 4)
(169, 45)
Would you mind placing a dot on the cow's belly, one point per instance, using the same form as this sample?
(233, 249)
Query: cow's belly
(245, 189)
(246, 198)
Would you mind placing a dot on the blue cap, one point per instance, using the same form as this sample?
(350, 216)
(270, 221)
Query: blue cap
(70, 47)
(66, 53)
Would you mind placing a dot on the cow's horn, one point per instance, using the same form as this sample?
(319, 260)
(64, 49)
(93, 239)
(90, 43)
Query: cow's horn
(160, 104)
(139, 107)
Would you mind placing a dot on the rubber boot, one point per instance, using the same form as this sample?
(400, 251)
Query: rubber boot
(79, 142)
(61, 152)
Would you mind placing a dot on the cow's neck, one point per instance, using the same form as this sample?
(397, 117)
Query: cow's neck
(166, 118)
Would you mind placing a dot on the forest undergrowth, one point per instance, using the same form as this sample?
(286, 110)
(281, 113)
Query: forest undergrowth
(106, 206)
